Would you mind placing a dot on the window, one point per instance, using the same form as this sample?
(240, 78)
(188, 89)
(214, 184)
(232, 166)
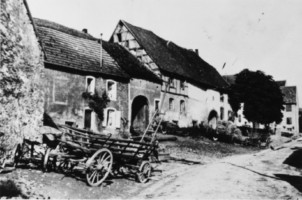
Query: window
(60, 91)
(119, 36)
(288, 108)
(172, 83)
(221, 113)
(171, 104)
(288, 120)
(87, 118)
(90, 84)
(182, 106)
(156, 104)
(182, 85)
(112, 118)
(221, 98)
(111, 90)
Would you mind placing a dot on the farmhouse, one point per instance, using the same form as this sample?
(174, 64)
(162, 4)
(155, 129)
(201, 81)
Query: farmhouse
(75, 63)
(194, 87)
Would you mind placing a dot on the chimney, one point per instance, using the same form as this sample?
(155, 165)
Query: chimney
(85, 30)
(196, 51)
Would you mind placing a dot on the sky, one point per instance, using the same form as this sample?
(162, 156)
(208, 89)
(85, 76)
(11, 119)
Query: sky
(261, 35)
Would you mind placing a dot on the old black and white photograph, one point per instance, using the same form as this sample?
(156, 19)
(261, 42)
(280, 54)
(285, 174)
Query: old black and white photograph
(151, 99)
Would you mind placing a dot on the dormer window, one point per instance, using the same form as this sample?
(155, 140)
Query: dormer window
(90, 84)
(111, 89)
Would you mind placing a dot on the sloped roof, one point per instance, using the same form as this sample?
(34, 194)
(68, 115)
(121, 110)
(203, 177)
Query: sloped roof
(176, 60)
(281, 83)
(230, 79)
(289, 94)
(129, 63)
(69, 48)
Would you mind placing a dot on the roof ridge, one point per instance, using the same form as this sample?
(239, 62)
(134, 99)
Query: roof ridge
(65, 29)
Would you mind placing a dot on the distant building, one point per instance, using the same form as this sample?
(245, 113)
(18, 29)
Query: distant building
(194, 85)
(290, 121)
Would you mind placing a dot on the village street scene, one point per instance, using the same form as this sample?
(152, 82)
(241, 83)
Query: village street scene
(147, 99)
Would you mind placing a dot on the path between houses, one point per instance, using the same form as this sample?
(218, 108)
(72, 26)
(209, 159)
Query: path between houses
(256, 176)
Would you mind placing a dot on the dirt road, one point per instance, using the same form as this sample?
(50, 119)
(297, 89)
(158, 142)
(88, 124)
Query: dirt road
(261, 175)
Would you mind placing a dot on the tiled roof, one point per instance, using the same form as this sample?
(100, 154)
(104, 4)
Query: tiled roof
(289, 94)
(69, 48)
(173, 59)
(129, 63)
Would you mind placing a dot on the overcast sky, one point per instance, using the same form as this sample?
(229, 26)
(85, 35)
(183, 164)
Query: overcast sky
(256, 34)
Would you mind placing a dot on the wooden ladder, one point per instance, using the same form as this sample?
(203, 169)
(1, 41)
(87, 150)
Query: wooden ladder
(156, 113)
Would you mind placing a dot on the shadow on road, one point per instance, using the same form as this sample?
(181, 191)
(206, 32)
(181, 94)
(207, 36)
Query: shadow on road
(295, 181)
(295, 159)
(261, 174)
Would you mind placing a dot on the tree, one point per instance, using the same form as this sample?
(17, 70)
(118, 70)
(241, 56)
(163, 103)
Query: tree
(261, 95)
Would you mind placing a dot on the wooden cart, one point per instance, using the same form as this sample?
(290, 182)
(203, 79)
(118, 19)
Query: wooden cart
(100, 155)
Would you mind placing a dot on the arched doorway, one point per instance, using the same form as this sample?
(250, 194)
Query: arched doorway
(212, 119)
(140, 114)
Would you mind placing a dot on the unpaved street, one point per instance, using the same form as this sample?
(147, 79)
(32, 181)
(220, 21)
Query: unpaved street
(257, 176)
(261, 175)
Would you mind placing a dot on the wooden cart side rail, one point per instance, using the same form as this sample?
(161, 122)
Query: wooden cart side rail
(84, 134)
(121, 141)
(78, 130)
(115, 150)
(76, 146)
(108, 143)
(93, 135)
(119, 148)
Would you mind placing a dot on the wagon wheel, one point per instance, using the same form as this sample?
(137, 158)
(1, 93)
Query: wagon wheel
(49, 163)
(144, 172)
(18, 154)
(66, 166)
(99, 167)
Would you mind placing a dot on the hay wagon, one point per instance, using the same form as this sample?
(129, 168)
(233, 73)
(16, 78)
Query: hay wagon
(99, 155)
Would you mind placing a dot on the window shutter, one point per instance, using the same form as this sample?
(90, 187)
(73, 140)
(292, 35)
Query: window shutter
(105, 118)
(118, 119)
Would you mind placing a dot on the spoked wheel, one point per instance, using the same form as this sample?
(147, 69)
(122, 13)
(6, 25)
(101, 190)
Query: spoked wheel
(144, 172)
(99, 167)
(66, 166)
(49, 163)
(18, 154)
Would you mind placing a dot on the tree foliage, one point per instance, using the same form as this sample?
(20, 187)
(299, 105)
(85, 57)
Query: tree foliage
(97, 103)
(261, 95)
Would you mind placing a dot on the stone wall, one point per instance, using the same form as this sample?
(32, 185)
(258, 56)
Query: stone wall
(64, 101)
(21, 98)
